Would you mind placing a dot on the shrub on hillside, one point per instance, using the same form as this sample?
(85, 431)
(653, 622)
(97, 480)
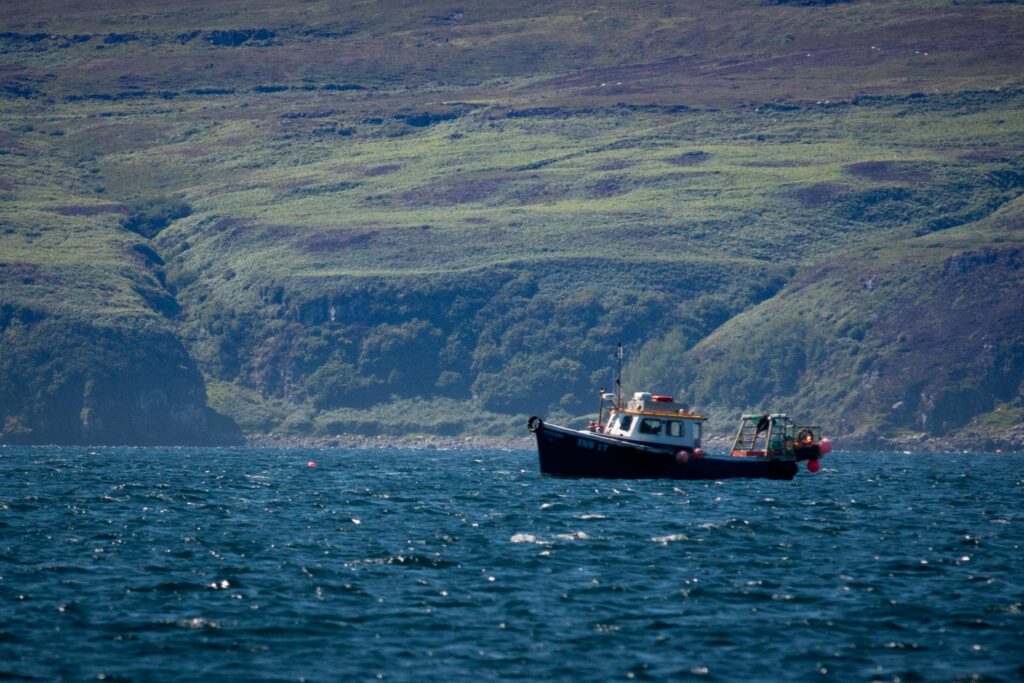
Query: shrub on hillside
(148, 217)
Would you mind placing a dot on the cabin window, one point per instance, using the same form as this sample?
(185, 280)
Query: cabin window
(676, 428)
(649, 426)
(624, 422)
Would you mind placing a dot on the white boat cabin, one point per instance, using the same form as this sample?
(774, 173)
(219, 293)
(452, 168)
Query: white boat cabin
(655, 420)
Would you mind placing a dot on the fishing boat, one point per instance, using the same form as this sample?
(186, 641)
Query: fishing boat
(652, 436)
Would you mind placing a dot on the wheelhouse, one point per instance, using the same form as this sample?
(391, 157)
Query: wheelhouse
(655, 420)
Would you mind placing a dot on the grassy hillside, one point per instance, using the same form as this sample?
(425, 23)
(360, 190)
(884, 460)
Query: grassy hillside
(89, 352)
(914, 338)
(409, 217)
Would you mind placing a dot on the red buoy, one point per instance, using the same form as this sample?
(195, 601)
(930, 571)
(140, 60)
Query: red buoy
(311, 463)
(698, 452)
(825, 446)
(813, 466)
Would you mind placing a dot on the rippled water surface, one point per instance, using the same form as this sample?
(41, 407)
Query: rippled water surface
(176, 564)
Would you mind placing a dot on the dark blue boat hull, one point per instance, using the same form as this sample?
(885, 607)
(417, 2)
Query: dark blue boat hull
(567, 453)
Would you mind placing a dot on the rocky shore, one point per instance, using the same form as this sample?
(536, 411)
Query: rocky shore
(923, 443)
(411, 441)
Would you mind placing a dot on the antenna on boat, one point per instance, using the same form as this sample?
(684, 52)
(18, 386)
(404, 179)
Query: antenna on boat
(618, 376)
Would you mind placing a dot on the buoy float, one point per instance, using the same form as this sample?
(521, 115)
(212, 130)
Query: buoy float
(311, 463)
(825, 446)
(813, 466)
(698, 452)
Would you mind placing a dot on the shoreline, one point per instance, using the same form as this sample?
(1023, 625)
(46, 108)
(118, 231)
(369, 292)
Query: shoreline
(919, 443)
(915, 444)
(407, 442)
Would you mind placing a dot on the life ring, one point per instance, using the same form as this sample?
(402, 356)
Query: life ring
(534, 423)
(805, 436)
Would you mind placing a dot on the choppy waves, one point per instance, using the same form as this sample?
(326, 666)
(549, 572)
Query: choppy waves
(168, 564)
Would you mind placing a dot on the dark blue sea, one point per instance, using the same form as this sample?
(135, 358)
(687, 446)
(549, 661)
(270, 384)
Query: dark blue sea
(232, 564)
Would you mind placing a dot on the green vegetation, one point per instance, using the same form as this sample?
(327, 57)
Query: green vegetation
(428, 219)
(921, 336)
(149, 217)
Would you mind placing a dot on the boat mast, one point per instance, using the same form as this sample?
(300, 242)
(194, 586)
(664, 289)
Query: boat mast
(618, 376)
